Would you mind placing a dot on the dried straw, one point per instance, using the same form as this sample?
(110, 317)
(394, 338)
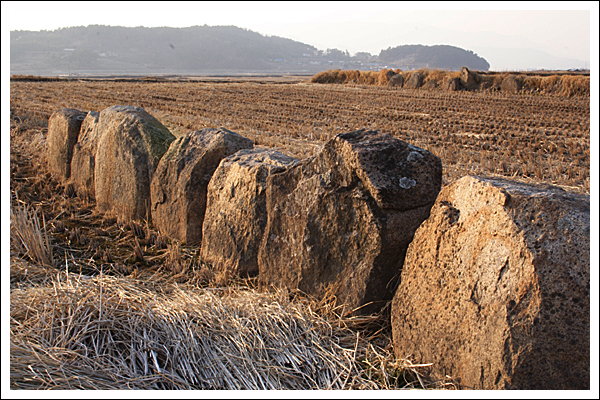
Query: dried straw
(105, 332)
(26, 236)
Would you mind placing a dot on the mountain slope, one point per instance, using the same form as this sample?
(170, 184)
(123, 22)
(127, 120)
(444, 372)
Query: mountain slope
(439, 56)
(99, 49)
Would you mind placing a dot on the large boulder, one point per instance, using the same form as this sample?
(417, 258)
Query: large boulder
(130, 146)
(63, 131)
(415, 81)
(429, 85)
(236, 209)
(452, 85)
(340, 222)
(179, 187)
(84, 156)
(469, 79)
(396, 81)
(511, 84)
(495, 290)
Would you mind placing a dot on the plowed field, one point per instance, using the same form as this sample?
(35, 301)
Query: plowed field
(526, 137)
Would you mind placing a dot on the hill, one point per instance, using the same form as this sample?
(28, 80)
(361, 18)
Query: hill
(417, 56)
(99, 49)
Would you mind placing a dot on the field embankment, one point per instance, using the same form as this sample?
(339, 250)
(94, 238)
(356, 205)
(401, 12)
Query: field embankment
(561, 84)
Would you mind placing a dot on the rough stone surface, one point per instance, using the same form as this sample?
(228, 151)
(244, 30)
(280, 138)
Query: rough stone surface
(468, 79)
(451, 85)
(130, 146)
(511, 84)
(485, 85)
(179, 187)
(341, 221)
(396, 81)
(429, 85)
(63, 131)
(236, 209)
(84, 156)
(415, 81)
(390, 74)
(495, 287)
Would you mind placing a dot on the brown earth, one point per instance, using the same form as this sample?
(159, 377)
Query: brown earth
(537, 138)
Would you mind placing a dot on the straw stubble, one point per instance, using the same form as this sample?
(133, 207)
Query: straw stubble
(105, 332)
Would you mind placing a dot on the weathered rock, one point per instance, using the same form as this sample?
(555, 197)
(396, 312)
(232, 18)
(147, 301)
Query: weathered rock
(429, 85)
(452, 85)
(342, 220)
(130, 146)
(485, 85)
(236, 209)
(84, 156)
(511, 84)
(179, 186)
(396, 81)
(468, 79)
(63, 131)
(415, 81)
(495, 287)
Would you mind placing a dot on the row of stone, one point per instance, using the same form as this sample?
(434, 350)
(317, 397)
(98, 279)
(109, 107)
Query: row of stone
(467, 80)
(493, 287)
(338, 222)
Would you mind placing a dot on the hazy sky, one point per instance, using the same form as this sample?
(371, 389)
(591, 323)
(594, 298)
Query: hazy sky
(508, 35)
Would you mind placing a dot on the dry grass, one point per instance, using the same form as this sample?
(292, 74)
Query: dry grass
(28, 237)
(533, 137)
(106, 332)
(377, 78)
(565, 85)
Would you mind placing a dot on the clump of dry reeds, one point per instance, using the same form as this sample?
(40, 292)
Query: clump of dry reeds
(377, 78)
(562, 85)
(105, 332)
(27, 236)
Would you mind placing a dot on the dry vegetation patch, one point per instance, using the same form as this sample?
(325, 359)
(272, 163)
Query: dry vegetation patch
(106, 332)
(560, 84)
(528, 137)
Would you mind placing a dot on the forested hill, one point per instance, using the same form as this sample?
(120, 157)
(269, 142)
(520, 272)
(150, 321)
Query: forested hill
(99, 49)
(440, 56)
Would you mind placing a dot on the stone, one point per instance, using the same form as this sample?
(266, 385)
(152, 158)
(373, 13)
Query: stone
(429, 85)
(63, 131)
(511, 84)
(236, 209)
(495, 290)
(84, 156)
(469, 79)
(340, 222)
(396, 81)
(390, 74)
(485, 86)
(179, 187)
(415, 81)
(452, 85)
(130, 147)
